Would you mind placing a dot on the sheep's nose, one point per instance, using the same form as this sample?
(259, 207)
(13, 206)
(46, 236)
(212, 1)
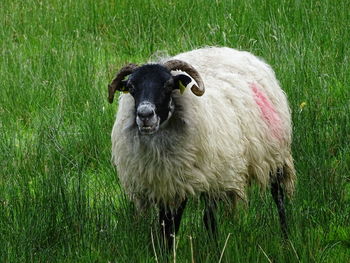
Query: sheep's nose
(145, 111)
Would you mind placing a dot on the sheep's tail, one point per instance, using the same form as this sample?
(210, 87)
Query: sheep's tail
(289, 177)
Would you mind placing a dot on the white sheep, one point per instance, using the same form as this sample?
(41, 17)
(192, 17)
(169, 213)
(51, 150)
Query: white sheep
(170, 144)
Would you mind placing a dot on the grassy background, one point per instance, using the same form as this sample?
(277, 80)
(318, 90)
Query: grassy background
(59, 197)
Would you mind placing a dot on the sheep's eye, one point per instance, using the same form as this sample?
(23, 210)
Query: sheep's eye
(169, 85)
(131, 88)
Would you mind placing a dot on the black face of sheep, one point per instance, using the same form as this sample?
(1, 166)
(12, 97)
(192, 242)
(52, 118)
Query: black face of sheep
(151, 86)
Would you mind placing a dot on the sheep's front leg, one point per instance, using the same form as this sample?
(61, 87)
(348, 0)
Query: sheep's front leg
(170, 223)
(278, 196)
(209, 216)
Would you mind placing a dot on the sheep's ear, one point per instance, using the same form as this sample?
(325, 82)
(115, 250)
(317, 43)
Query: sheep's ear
(119, 82)
(181, 67)
(183, 81)
(123, 86)
(112, 88)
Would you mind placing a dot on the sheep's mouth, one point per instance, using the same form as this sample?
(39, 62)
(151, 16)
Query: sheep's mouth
(149, 128)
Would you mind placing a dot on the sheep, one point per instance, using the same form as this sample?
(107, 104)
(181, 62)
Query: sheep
(169, 144)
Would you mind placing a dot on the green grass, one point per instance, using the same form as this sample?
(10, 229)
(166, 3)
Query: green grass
(59, 197)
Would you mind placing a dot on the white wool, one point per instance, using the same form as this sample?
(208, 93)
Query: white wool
(217, 143)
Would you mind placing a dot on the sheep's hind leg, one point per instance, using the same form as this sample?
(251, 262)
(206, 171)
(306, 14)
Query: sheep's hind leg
(278, 196)
(170, 223)
(209, 216)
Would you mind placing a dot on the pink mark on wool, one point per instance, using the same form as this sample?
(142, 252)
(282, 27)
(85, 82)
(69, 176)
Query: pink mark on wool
(268, 111)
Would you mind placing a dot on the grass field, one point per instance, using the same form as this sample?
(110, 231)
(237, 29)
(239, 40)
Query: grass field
(59, 196)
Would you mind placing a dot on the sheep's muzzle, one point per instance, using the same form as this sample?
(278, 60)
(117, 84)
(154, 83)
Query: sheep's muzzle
(146, 118)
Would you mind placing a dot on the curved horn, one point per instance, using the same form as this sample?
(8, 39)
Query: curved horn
(176, 64)
(117, 81)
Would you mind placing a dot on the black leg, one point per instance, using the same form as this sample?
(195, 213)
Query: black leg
(278, 196)
(209, 216)
(170, 223)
